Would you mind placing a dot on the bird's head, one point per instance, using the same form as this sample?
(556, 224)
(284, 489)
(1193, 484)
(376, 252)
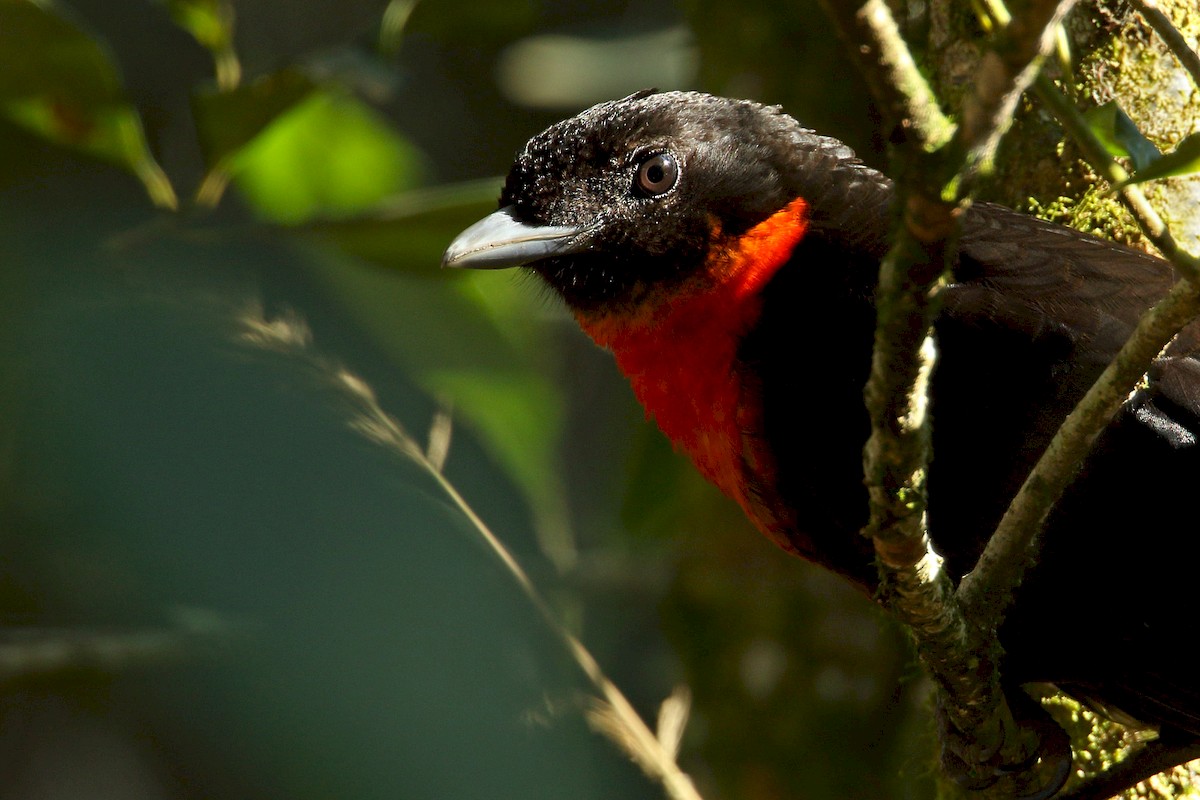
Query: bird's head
(633, 197)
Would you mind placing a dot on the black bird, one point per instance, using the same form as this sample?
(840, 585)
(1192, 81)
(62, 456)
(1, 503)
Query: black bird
(728, 256)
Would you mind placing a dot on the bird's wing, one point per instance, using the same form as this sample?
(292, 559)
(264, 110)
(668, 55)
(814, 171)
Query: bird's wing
(1041, 273)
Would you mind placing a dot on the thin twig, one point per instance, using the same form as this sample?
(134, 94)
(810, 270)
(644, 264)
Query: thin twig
(1152, 225)
(1171, 37)
(986, 590)
(901, 92)
(636, 737)
(615, 716)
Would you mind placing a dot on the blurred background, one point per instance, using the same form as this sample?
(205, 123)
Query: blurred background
(224, 338)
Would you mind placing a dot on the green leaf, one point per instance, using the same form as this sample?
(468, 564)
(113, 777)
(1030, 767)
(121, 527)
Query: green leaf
(1183, 160)
(409, 231)
(228, 121)
(170, 455)
(1120, 135)
(391, 26)
(329, 155)
(60, 83)
(210, 22)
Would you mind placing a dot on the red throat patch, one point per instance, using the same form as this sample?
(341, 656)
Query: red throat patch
(680, 355)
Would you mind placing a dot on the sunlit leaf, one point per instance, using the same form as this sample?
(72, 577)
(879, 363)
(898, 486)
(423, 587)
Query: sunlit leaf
(1183, 160)
(328, 155)
(1120, 135)
(60, 83)
(228, 121)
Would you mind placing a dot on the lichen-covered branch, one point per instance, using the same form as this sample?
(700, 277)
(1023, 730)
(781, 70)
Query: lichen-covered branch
(936, 171)
(905, 100)
(982, 735)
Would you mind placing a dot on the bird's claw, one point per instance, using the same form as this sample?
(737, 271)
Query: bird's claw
(991, 772)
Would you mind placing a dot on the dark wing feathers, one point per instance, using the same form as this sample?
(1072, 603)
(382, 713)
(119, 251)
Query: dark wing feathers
(1096, 288)
(1035, 276)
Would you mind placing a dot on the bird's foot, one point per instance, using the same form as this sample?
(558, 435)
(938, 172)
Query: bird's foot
(1030, 762)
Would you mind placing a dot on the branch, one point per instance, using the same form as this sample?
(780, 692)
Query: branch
(987, 590)
(1171, 37)
(904, 98)
(935, 178)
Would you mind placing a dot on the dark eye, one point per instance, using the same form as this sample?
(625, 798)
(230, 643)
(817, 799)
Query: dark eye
(657, 174)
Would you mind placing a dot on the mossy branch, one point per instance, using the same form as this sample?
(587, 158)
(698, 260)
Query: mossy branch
(955, 631)
(935, 173)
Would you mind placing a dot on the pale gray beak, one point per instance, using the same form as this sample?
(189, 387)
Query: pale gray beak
(501, 240)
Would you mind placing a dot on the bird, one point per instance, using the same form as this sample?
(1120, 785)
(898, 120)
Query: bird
(727, 256)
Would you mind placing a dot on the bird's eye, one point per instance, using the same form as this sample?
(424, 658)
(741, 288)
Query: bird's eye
(657, 174)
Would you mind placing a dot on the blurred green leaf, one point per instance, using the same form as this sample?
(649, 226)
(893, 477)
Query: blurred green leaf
(521, 416)
(409, 231)
(45, 54)
(1183, 160)
(654, 503)
(210, 22)
(391, 26)
(483, 329)
(59, 82)
(229, 120)
(477, 351)
(330, 154)
(1120, 135)
(179, 443)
